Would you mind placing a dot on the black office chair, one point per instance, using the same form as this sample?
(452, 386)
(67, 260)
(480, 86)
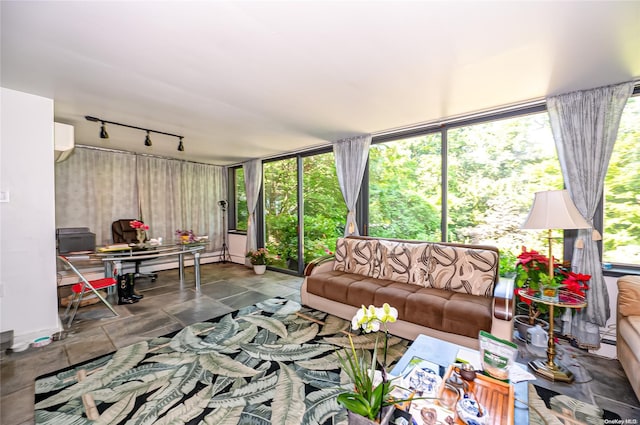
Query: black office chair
(122, 232)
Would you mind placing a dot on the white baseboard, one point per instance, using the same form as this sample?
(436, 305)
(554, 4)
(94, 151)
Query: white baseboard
(28, 338)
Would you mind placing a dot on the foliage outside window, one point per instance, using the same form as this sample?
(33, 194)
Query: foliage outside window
(621, 236)
(280, 192)
(324, 207)
(242, 214)
(405, 189)
(494, 169)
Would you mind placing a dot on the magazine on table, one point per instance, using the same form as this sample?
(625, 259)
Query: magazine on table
(421, 381)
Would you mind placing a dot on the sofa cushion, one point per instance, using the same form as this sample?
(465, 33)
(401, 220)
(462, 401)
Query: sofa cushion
(447, 311)
(463, 270)
(347, 288)
(420, 263)
(439, 309)
(629, 330)
(393, 261)
(341, 255)
(629, 295)
(355, 255)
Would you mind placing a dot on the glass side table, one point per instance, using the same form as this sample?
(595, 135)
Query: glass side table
(550, 369)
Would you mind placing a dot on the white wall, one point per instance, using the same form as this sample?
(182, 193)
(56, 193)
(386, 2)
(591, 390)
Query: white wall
(28, 296)
(237, 247)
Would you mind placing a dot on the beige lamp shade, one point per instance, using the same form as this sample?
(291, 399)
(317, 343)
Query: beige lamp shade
(554, 209)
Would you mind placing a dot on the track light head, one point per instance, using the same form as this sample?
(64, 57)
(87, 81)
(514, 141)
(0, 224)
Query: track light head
(180, 146)
(147, 140)
(103, 132)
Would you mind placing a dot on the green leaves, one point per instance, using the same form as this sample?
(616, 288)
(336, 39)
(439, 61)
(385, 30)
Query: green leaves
(264, 365)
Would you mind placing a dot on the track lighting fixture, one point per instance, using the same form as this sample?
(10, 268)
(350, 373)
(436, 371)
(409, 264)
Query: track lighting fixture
(103, 132)
(147, 139)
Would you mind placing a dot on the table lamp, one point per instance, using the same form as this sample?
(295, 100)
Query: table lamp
(553, 209)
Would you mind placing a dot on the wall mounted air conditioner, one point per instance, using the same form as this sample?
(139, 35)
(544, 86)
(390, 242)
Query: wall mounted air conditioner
(63, 141)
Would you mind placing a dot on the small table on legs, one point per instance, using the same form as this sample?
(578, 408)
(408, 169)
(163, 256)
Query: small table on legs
(550, 369)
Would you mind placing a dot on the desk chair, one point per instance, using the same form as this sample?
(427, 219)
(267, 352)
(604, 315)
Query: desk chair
(83, 287)
(122, 232)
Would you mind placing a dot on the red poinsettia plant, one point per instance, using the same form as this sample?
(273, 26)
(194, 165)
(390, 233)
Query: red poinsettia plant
(532, 270)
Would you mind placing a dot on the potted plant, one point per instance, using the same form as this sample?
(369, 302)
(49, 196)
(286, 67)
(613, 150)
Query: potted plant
(532, 273)
(141, 230)
(370, 399)
(186, 236)
(259, 258)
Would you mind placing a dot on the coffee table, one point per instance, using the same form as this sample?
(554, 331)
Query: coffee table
(444, 353)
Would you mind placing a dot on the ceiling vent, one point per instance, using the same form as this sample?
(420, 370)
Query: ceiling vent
(63, 141)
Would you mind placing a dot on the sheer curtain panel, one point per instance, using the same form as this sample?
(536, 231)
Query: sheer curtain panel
(351, 160)
(94, 188)
(252, 183)
(585, 128)
(160, 196)
(202, 187)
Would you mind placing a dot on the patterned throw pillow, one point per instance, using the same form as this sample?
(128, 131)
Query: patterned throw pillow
(361, 256)
(420, 263)
(464, 270)
(393, 261)
(355, 255)
(342, 255)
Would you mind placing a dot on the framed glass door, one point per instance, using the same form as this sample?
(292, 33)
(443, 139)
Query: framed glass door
(324, 208)
(281, 224)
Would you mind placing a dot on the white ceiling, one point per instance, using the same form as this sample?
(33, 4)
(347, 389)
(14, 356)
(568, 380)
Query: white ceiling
(243, 79)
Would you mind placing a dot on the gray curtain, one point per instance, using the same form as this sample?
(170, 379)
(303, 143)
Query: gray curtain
(203, 186)
(252, 183)
(351, 159)
(585, 127)
(161, 209)
(95, 188)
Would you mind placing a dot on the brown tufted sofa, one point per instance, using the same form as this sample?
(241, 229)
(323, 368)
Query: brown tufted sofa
(445, 290)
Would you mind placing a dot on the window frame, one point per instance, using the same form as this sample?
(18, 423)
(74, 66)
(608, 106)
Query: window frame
(442, 127)
(232, 216)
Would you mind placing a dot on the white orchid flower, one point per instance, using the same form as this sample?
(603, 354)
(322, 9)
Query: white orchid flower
(370, 319)
(387, 314)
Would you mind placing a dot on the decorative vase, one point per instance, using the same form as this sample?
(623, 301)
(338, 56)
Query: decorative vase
(259, 268)
(355, 419)
(140, 236)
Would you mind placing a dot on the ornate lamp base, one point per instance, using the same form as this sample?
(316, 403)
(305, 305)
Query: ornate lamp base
(555, 372)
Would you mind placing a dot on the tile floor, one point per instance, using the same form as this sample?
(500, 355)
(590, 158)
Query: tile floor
(226, 287)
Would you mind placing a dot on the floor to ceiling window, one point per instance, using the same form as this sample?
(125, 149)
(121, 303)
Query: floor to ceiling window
(323, 206)
(494, 169)
(469, 181)
(621, 235)
(241, 214)
(280, 194)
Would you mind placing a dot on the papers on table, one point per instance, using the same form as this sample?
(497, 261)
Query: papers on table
(114, 247)
(469, 356)
(518, 374)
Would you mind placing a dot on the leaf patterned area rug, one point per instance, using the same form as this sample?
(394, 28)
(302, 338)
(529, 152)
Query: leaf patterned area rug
(271, 363)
